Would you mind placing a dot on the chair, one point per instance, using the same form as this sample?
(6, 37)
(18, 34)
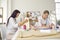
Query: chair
(3, 32)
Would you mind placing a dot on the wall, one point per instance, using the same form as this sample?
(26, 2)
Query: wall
(33, 5)
(26, 5)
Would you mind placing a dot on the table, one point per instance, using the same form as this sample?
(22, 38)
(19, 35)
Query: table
(35, 35)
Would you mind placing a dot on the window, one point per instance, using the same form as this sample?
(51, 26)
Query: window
(57, 9)
(57, 0)
(3, 4)
(1, 15)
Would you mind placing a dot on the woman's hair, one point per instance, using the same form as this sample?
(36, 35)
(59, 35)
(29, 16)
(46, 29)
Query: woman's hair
(13, 15)
(46, 11)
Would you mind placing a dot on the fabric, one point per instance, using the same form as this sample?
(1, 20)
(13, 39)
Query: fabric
(12, 26)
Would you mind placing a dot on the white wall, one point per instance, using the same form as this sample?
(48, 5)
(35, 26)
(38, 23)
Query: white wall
(9, 8)
(26, 5)
(33, 5)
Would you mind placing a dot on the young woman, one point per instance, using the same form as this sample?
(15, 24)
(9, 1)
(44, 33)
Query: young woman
(12, 25)
(44, 22)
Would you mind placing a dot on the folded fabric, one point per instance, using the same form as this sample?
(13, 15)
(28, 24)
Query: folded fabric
(31, 33)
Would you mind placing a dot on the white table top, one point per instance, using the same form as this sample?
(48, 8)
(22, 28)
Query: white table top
(31, 31)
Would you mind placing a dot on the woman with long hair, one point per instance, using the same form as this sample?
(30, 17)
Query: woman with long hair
(12, 25)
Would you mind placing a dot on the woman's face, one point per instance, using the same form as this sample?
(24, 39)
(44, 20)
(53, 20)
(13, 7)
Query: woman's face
(45, 16)
(17, 14)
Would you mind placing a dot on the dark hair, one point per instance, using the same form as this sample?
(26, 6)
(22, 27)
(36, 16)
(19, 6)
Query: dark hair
(27, 14)
(46, 11)
(13, 15)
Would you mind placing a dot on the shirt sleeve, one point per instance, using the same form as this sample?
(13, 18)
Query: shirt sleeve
(12, 23)
(38, 23)
(49, 21)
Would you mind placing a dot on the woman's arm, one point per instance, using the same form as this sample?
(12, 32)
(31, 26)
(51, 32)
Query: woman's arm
(21, 23)
(13, 24)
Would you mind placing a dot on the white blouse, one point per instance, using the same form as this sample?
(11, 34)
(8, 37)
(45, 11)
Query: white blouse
(12, 26)
(42, 21)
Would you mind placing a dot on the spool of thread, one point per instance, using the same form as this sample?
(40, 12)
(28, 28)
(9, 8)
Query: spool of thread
(24, 27)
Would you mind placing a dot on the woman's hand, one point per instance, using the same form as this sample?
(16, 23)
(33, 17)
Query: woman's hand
(52, 26)
(21, 23)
